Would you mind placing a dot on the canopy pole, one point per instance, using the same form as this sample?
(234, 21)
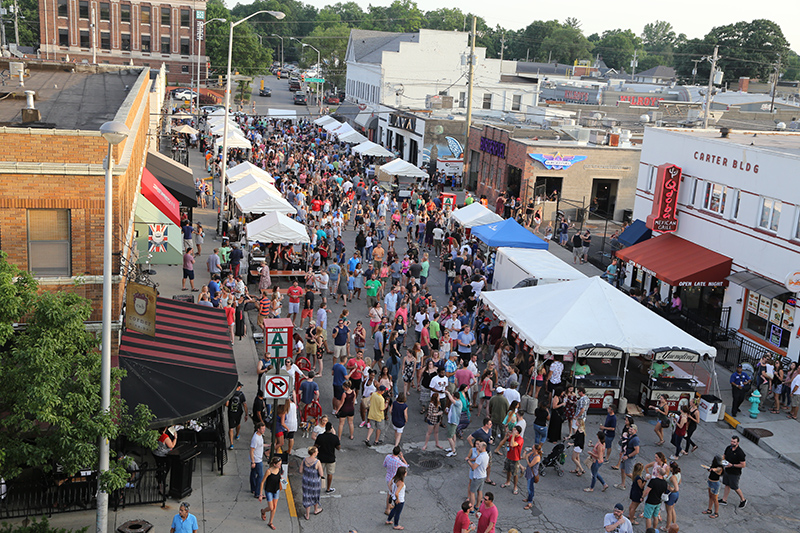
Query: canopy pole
(624, 375)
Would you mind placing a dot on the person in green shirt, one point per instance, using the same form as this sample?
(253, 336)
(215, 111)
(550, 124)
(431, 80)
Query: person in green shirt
(225, 251)
(373, 286)
(580, 368)
(423, 275)
(435, 331)
(469, 199)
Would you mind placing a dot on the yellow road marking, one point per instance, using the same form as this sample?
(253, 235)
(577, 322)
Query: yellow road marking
(290, 500)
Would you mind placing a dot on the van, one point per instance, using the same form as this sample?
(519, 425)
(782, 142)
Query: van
(300, 98)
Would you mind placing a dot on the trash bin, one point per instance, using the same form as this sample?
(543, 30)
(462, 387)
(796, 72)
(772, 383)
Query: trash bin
(180, 480)
(709, 408)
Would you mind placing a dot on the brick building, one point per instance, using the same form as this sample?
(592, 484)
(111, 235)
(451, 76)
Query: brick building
(135, 33)
(52, 181)
(529, 167)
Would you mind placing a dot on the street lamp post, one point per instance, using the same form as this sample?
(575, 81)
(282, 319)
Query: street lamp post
(278, 15)
(200, 35)
(319, 72)
(114, 133)
(281, 38)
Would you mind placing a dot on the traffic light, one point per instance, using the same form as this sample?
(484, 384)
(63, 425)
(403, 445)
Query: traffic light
(262, 84)
(220, 80)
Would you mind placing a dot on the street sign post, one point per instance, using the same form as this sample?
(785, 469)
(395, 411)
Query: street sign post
(278, 342)
(315, 80)
(277, 387)
(278, 339)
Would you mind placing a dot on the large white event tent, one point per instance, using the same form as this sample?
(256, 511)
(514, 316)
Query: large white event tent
(401, 167)
(475, 214)
(282, 114)
(352, 136)
(248, 184)
(276, 227)
(246, 168)
(330, 126)
(235, 140)
(325, 119)
(371, 148)
(560, 316)
(260, 201)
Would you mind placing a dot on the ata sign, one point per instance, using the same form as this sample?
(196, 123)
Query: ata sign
(278, 336)
(492, 147)
(664, 216)
(557, 161)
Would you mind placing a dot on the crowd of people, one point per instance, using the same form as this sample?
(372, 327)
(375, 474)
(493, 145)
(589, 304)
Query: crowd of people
(464, 367)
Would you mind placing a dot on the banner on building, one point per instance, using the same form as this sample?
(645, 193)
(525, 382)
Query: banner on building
(140, 309)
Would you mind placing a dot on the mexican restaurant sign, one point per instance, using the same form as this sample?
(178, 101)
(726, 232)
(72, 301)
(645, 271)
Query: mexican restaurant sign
(664, 217)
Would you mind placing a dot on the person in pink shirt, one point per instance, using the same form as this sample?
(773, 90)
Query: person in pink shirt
(488, 513)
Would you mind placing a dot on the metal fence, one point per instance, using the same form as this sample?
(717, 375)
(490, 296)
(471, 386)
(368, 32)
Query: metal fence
(603, 229)
(35, 493)
(738, 349)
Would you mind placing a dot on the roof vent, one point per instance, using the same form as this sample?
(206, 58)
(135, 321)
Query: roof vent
(724, 132)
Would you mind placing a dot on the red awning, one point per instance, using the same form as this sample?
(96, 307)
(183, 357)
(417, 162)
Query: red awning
(679, 262)
(160, 197)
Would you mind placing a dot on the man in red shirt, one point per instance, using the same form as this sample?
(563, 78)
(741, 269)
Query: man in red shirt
(316, 206)
(511, 466)
(295, 292)
(463, 525)
(489, 512)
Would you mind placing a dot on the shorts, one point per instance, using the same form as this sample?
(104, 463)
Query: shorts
(306, 313)
(188, 274)
(323, 293)
(673, 498)
(339, 351)
(338, 391)
(451, 430)
(187, 243)
(379, 425)
(294, 308)
(627, 465)
(234, 419)
(476, 485)
(329, 468)
(271, 496)
(423, 280)
(651, 510)
(795, 400)
(510, 466)
(577, 252)
(731, 480)
(398, 429)
(578, 450)
(609, 443)
(714, 486)
(289, 435)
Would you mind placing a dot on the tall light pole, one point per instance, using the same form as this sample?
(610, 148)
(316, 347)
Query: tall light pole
(711, 75)
(200, 28)
(281, 38)
(114, 133)
(319, 71)
(278, 15)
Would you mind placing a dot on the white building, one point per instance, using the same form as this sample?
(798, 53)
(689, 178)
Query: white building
(739, 201)
(426, 70)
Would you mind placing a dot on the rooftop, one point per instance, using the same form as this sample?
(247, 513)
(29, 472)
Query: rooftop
(67, 100)
(368, 45)
(779, 143)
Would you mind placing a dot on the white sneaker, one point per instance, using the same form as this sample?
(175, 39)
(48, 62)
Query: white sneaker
(451, 454)
(362, 424)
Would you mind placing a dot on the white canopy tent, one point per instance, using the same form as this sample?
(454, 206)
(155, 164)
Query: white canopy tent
(243, 169)
(260, 201)
(282, 114)
(371, 148)
(219, 130)
(401, 167)
(325, 119)
(475, 214)
(248, 184)
(586, 311)
(352, 137)
(220, 112)
(276, 227)
(330, 126)
(235, 140)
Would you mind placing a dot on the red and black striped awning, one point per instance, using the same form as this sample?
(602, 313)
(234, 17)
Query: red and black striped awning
(186, 370)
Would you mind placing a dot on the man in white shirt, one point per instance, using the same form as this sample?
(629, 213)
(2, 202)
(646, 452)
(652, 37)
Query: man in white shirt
(257, 459)
(419, 318)
(617, 522)
(795, 390)
(477, 286)
(390, 302)
(439, 383)
(478, 461)
(511, 393)
(453, 325)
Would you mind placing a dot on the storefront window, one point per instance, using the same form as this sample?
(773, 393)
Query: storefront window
(714, 199)
(770, 214)
(771, 319)
(487, 100)
(516, 102)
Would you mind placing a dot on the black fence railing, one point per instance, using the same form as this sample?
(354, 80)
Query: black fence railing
(739, 349)
(35, 493)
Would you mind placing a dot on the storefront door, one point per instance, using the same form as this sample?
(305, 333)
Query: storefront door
(514, 181)
(604, 197)
(413, 152)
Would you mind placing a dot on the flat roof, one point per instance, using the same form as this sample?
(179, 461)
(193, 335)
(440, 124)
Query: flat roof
(552, 143)
(68, 100)
(777, 142)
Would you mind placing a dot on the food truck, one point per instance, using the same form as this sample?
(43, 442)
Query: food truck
(664, 378)
(603, 382)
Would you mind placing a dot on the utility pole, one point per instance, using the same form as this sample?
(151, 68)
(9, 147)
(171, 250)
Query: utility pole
(2, 30)
(694, 69)
(16, 23)
(775, 84)
(502, 49)
(634, 63)
(469, 100)
(93, 28)
(710, 86)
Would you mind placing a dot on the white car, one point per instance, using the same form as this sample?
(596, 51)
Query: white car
(184, 94)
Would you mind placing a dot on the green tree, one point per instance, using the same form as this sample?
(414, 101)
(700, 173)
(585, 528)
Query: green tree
(50, 393)
(447, 19)
(248, 55)
(749, 48)
(616, 47)
(350, 13)
(331, 40)
(658, 35)
(529, 41)
(566, 45)
(28, 22)
(572, 22)
(791, 66)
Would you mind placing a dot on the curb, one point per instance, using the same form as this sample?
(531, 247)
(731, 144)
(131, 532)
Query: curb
(735, 424)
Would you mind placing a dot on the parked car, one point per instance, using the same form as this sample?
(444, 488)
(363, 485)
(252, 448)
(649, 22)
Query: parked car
(332, 100)
(184, 94)
(300, 98)
(266, 91)
(211, 108)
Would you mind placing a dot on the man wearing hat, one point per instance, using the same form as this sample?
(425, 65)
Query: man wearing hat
(740, 383)
(237, 405)
(617, 522)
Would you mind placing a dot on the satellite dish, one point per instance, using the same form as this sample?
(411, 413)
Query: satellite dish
(644, 118)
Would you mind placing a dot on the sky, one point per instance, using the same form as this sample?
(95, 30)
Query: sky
(693, 18)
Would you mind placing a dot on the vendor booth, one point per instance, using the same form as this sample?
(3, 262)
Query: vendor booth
(529, 267)
(508, 233)
(475, 214)
(325, 119)
(331, 125)
(667, 378)
(402, 175)
(373, 149)
(261, 201)
(248, 184)
(276, 227)
(351, 136)
(245, 168)
(282, 114)
(598, 368)
(590, 312)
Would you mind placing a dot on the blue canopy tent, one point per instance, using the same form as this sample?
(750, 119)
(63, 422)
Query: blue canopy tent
(508, 233)
(635, 233)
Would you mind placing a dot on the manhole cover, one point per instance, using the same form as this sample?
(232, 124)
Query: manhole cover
(430, 464)
(759, 432)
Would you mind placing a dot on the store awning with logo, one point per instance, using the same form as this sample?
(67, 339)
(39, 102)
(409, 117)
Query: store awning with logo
(160, 197)
(186, 371)
(175, 177)
(679, 262)
(754, 282)
(635, 233)
(158, 239)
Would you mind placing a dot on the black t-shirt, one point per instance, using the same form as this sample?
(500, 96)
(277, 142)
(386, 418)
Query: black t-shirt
(480, 434)
(658, 487)
(734, 457)
(415, 269)
(540, 416)
(327, 443)
(577, 242)
(259, 406)
(579, 439)
(309, 300)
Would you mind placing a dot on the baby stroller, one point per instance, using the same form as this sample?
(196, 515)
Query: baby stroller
(556, 458)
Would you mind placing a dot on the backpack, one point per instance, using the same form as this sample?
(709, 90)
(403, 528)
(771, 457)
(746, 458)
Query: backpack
(234, 404)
